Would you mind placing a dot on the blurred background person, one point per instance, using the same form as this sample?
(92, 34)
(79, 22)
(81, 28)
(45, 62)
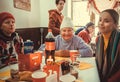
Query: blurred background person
(108, 46)
(79, 29)
(10, 42)
(87, 33)
(56, 16)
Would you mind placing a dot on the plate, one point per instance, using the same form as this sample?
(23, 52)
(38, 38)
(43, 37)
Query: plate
(67, 78)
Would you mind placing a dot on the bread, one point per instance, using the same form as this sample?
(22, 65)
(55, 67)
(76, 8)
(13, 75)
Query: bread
(25, 76)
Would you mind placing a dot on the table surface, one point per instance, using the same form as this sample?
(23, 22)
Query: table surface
(86, 75)
(91, 74)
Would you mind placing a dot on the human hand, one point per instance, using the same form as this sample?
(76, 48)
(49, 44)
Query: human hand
(62, 53)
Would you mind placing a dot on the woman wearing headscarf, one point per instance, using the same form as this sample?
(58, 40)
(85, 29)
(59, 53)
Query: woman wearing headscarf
(10, 42)
(108, 46)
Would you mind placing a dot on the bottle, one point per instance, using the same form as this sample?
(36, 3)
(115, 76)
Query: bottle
(49, 46)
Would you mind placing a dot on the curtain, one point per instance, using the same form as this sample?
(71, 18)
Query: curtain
(96, 6)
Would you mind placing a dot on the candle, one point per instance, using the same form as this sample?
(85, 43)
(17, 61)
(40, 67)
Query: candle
(49, 60)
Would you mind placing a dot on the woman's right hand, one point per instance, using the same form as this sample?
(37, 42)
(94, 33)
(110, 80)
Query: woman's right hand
(62, 53)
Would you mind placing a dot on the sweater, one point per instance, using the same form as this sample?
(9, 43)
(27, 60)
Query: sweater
(10, 47)
(55, 19)
(112, 57)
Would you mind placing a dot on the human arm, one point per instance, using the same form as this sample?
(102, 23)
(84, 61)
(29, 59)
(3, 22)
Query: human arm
(42, 47)
(84, 49)
(62, 53)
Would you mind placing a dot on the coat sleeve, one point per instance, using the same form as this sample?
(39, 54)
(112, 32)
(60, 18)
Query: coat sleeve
(84, 49)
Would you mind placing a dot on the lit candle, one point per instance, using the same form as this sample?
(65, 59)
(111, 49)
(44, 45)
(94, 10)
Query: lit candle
(49, 60)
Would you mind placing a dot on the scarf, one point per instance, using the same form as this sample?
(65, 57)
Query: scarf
(110, 54)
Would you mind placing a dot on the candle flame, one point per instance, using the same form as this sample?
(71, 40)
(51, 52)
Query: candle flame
(50, 57)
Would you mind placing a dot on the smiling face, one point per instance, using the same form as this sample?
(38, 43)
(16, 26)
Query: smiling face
(106, 23)
(60, 5)
(67, 33)
(8, 26)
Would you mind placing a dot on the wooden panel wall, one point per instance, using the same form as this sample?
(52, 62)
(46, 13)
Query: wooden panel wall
(37, 35)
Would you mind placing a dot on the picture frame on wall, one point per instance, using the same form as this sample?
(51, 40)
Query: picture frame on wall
(23, 4)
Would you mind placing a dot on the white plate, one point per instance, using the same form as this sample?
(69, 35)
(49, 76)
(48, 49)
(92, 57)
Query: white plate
(67, 78)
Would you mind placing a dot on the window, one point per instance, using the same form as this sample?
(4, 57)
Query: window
(81, 16)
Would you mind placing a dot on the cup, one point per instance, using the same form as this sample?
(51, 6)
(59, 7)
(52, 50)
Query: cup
(39, 76)
(14, 70)
(73, 55)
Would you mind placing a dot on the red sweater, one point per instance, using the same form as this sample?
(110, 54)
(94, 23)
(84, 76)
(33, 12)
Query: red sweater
(55, 19)
(84, 34)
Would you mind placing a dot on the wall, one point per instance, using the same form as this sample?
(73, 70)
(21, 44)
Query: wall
(23, 18)
(37, 17)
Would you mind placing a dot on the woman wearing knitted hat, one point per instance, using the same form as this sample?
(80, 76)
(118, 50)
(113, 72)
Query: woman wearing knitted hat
(10, 43)
(68, 41)
(86, 34)
(108, 46)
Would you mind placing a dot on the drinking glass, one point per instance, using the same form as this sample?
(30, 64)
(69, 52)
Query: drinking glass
(14, 70)
(76, 58)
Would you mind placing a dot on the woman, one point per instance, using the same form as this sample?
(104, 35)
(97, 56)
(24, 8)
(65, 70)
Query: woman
(68, 41)
(55, 17)
(10, 43)
(86, 34)
(108, 46)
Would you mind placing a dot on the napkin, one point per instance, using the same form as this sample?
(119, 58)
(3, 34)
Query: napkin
(84, 65)
(4, 74)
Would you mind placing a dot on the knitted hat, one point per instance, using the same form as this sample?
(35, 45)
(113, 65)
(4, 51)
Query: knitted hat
(5, 15)
(89, 24)
(66, 23)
